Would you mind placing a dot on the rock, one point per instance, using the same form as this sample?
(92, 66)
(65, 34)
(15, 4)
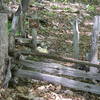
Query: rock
(42, 88)
(42, 50)
(69, 92)
(67, 99)
(9, 98)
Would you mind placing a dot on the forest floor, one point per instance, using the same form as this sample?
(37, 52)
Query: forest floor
(54, 28)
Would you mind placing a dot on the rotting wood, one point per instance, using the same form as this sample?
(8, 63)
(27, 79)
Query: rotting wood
(56, 57)
(59, 80)
(58, 69)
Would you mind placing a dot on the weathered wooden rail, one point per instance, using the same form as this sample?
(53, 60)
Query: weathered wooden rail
(58, 69)
(59, 58)
(58, 74)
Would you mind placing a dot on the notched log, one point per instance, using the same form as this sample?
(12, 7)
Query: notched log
(57, 69)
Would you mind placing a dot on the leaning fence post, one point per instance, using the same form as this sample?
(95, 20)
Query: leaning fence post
(34, 38)
(75, 39)
(34, 30)
(94, 46)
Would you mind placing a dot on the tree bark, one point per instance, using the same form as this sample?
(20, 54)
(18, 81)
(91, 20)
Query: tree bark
(3, 47)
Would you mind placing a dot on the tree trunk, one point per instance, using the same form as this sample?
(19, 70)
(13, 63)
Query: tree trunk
(3, 47)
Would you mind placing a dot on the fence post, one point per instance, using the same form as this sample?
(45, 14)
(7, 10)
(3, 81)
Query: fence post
(4, 65)
(94, 46)
(75, 39)
(34, 38)
(34, 30)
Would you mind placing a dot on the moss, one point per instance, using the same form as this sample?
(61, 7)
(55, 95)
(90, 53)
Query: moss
(34, 58)
(55, 7)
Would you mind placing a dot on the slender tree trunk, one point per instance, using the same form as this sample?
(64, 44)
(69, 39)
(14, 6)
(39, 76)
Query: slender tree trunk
(3, 47)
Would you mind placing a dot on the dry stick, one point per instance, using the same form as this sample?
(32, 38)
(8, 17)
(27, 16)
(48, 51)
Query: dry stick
(59, 58)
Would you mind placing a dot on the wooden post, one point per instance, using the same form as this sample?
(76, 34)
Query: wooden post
(34, 30)
(75, 39)
(18, 16)
(94, 46)
(24, 8)
(14, 30)
(34, 38)
(21, 24)
(3, 46)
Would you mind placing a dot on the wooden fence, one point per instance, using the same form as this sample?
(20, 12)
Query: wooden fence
(64, 75)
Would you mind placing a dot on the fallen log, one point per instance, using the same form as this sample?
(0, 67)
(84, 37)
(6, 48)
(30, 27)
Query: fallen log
(59, 80)
(57, 69)
(26, 42)
(23, 40)
(59, 58)
(20, 40)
